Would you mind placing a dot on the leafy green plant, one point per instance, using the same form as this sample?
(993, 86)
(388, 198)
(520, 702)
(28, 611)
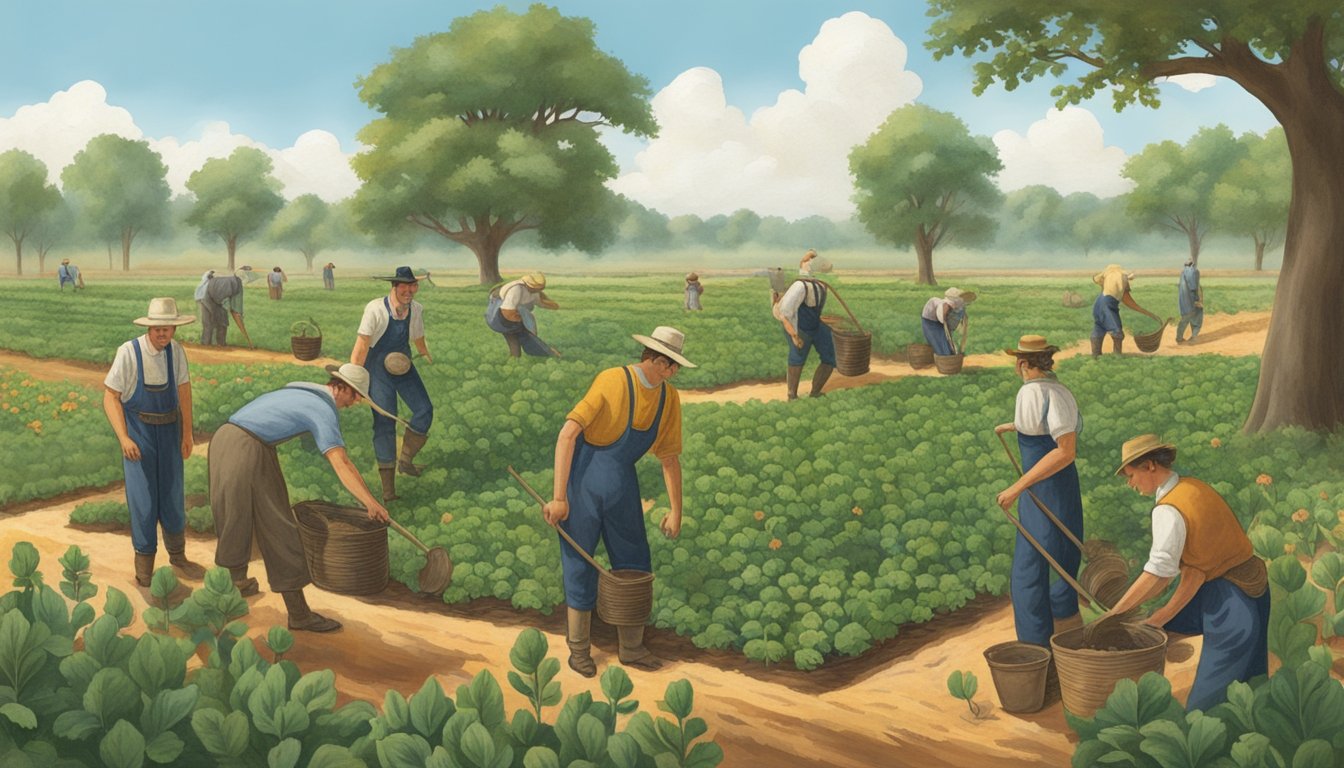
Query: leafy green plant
(963, 685)
(533, 674)
(211, 615)
(1328, 574)
(305, 328)
(1294, 602)
(166, 597)
(279, 640)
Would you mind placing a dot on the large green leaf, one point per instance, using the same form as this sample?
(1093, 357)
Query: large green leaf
(76, 725)
(104, 642)
(592, 737)
(616, 683)
(485, 698)
(528, 651)
(119, 607)
(542, 757)
(429, 708)
(112, 696)
(1316, 753)
(622, 748)
(679, 699)
(478, 746)
(1252, 750)
(332, 756)
(704, 755)
(165, 748)
(285, 754)
(403, 750)
(122, 747)
(19, 715)
(396, 711)
(266, 701)
(1173, 747)
(167, 709)
(1287, 573)
(223, 736)
(50, 609)
(315, 690)
(23, 561)
(21, 650)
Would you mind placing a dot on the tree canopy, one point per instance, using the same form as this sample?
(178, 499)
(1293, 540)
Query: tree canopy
(1252, 198)
(122, 187)
(304, 224)
(25, 198)
(236, 197)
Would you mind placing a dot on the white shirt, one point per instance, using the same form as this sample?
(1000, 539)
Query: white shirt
(121, 378)
(1164, 559)
(515, 295)
(1046, 406)
(799, 293)
(937, 309)
(376, 319)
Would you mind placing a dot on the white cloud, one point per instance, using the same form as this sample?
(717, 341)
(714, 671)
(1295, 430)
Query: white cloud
(788, 159)
(1065, 151)
(56, 130)
(1192, 83)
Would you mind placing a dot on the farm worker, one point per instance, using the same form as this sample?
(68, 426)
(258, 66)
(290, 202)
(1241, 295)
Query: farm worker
(390, 325)
(1114, 282)
(1223, 594)
(275, 282)
(248, 496)
(628, 412)
(329, 276)
(1190, 301)
(69, 273)
(224, 298)
(199, 296)
(941, 317)
(797, 305)
(147, 399)
(1047, 423)
(509, 312)
(693, 291)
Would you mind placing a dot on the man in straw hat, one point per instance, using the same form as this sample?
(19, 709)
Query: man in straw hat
(628, 412)
(390, 325)
(797, 304)
(69, 273)
(693, 291)
(248, 496)
(147, 399)
(223, 298)
(1223, 594)
(509, 313)
(1189, 301)
(1047, 423)
(1114, 283)
(941, 317)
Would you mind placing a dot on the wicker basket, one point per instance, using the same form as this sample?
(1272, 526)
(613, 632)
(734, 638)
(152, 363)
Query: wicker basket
(345, 550)
(853, 351)
(919, 355)
(1106, 576)
(306, 347)
(1149, 342)
(948, 364)
(1087, 677)
(624, 598)
(1019, 671)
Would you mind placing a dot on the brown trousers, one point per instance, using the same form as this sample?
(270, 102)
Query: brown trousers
(248, 499)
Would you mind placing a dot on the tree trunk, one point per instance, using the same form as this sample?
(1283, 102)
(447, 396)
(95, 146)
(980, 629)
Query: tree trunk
(309, 256)
(109, 257)
(924, 257)
(18, 256)
(1259, 255)
(1301, 372)
(126, 237)
(232, 243)
(41, 261)
(1192, 235)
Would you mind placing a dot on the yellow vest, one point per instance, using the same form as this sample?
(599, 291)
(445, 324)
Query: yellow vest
(1214, 540)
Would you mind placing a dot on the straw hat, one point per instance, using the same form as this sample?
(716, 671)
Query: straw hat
(535, 281)
(65, 261)
(956, 293)
(246, 273)
(692, 278)
(358, 378)
(1138, 447)
(811, 253)
(163, 311)
(667, 340)
(1030, 345)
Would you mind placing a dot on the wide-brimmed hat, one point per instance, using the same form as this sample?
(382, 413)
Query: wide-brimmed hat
(163, 311)
(358, 378)
(535, 281)
(692, 278)
(811, 253)
(1138, 447)
(667, 340)
(65, 261)
(1030, 345)
(956, 293)
(246, 273)
(403, 275)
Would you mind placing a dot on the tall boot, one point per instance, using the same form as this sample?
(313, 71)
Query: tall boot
(246, 585)
(578, 625)
(1096, 345)
(515, 345)
(411, 443)
(144, 569)
(302, 618)
(1117, 344)
(819, 378)
(176, 544)
(795, 374)
(389, 477)
(631, 650)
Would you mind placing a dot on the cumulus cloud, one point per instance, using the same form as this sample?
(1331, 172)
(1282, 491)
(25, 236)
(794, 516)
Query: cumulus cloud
(788, 159)
(56, 130)
(1192, 83)
(1065, 151)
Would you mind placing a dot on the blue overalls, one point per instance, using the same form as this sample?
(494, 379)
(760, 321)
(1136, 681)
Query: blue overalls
(1106, 317)
(525, 329)
(154, 483)
(1235, 627)
(936, 336)
(604, 500)
(384, 388)
(1187, 293)
(813, 332)
(1036, 601)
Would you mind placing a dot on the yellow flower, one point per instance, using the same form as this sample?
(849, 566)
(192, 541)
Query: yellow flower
(1324, 495)
(1216, 443)
(1264, 480)
(759, 515)
(13, 393)
(68, 406)
(776, 543)
(1300, 516)
(35, 425)
(1289, 549)
(858, 511)
(14, 409)
(447, 517)
(44, 398)
(72, 396)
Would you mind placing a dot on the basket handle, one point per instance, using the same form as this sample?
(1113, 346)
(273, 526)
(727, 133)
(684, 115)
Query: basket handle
(563, 535)
(841, 299)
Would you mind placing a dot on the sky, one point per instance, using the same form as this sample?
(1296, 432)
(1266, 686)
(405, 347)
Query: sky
(759, 102)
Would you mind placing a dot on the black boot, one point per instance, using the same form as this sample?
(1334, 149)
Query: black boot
(302, 618)
(795, 374)
(247, 586)
(819, 378)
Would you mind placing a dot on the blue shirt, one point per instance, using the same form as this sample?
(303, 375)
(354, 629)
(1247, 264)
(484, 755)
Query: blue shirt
(299, 407)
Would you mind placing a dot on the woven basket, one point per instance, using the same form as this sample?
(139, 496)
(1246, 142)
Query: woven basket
(1149, 342)
(948, 364)
(1106, 576)
(306, 347)
(1019, 671)
(1087, 677)
(919, 355)
(624, 598)
(345, 550)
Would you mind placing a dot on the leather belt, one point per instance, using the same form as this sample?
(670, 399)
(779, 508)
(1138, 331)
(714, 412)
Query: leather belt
(158, 418)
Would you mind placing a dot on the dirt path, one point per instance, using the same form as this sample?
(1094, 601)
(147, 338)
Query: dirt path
(92, 374)
(1236, 335)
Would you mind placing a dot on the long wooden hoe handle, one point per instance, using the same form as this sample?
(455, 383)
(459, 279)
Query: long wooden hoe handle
(563, 535)
(831, 288)
(1044, 508)
(410, 536)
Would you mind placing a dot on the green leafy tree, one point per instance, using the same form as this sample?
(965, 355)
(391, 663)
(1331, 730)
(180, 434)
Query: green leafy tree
(54, 227)
(740, 228)
(1286, 55)
(304, 224)
(1252, 197)
(1097, 223)
(236, 197)
(123, 185)
(643, 227)
(1031, 217)
(1174, 184)
(922, 179)
(491, 128)
(25, 197)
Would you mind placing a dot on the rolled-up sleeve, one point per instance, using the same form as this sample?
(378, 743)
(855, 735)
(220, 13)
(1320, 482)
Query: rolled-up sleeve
(1164, 559)
(598, 401)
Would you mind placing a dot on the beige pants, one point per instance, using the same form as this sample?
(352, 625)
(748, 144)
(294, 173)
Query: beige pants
(248, 499)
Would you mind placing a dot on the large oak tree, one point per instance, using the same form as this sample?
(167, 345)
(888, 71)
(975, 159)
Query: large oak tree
(236, 197)
(122, 188)
(1289, 56)
(491, 128)
(25, 198)
(1252, 198)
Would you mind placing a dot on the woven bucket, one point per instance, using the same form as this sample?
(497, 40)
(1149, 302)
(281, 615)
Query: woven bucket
(1019, 672)
(624, 598)
(1149, 342)
(1106, 576)
(345, 550)
(1087, 676)
(306, 347)
(948, 364)
(919, 355)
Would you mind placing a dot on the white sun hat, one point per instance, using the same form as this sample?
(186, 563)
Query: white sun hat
(358, 378)
(163, 311)
(667, 340)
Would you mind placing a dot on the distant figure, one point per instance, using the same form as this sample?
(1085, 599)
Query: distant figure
(941, 317)
(1114, 283)
(805, 266)
(200, 300)
(509, 313)
(275, 281)
(1190, 300)
(797, 305)
(69, 273)
(693, 291)
(224, 298)
(329, 276)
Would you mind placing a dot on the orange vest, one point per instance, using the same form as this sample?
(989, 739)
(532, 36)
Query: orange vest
(1214, 540)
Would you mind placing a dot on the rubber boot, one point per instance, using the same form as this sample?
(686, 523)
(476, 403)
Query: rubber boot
(631, 650)
(411, 443)
(819, 378)
(795, 374)
(144, 569)
(1117, 344)
(246, 585)
(302, 618)
(578, 625)
(176, 544)
(389, 477)
(1096, 345)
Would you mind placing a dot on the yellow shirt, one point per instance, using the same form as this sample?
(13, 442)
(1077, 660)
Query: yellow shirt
(1214, 540)
(604, 412)
(1113, 281)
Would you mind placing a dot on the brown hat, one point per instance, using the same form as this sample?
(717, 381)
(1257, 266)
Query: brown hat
(1030, 345)
(692, 278)
(1138, 447)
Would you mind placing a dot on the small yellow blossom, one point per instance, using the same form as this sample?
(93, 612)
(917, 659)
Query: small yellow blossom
(759, 515)
(1264, 480)
(1300, 516)
(776, 543)
(858, 511)
(1216, 443)
(1289, 549)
